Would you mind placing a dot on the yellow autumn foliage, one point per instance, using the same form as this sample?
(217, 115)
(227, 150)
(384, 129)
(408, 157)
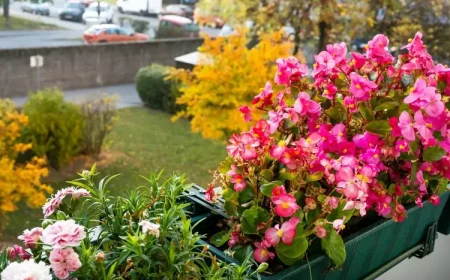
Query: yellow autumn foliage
(18, 181)
(228, 76)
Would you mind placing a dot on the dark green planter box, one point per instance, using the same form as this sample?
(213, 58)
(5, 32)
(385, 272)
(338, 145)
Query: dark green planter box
(371, 251)
(444, 220)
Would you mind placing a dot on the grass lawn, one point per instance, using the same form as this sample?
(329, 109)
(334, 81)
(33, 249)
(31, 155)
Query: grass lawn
(24, 24)
(143, 140)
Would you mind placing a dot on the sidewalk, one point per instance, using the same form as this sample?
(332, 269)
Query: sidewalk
(128, 96)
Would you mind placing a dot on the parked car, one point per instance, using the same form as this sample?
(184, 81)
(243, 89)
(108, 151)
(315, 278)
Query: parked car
(210, 20)
(142, 7)
(111, 33)
(95, 13)
(72, 10)
(39, 7)
(175, 27)
(178, 10)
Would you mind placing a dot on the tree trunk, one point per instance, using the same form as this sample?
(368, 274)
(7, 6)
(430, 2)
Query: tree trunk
(297, 41)
(6, 12)
(323, 36)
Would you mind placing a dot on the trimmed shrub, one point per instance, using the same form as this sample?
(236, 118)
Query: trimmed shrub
(99, 116)
(55, 126)
(155, 90)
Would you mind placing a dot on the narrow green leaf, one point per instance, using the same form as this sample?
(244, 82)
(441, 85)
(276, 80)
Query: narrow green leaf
(314, 177)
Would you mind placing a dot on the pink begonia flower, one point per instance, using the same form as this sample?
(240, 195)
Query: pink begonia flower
(424, 96)
(53, 203)
(274, 121)
(286, 233)
(310, 203)
(247, 114)
(286, 205)
(243, 145)
(278, 190)
(276, 151)
(305, 106)
(330, 91)
(361, 87)
(321, 232)
(423, 127)
(350, 104)
(348, 161)
(406, 126)
(399, 213)
(332, 201)
(265, 96)
(416, 45)
(63, 234)
(418, 201)
(31, 237)
(383, 205)
(324, 64)
(234, 239)
(358, 205)
(150, 228)
(310, 144)
(346, 148)
(421, 182)
(339, 132)
(434, 199)
(236, 179)
(17, 251)
(338, 224)
(261, 254)
(211, 194)
(393, 123)
(359, 60)
(64, 261)
(377, 49)
(401, 146)
(289, 69)
(337, 51)
(291, 115)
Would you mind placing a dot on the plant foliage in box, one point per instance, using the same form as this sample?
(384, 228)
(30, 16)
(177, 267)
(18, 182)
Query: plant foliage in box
(365, 133)
(87, 234)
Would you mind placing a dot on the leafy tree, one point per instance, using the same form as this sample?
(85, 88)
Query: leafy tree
(322, 20)
(225, 79)
(6, 11)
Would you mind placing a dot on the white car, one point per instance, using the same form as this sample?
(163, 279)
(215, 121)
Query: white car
(98, 15)
(142, 7)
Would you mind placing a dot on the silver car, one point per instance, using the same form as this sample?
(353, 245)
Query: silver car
(39, 7)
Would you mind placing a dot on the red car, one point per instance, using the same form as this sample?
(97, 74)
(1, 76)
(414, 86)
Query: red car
(110, 33)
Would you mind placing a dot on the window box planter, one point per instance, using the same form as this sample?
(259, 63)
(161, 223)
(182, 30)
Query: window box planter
(370, 252)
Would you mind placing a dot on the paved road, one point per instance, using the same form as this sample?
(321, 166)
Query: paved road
(72, 33)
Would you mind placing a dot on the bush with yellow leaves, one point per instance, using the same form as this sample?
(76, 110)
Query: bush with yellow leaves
(18, 180)
(225, 78)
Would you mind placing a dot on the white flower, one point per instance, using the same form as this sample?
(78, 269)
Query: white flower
(150, 228)
(26, 270)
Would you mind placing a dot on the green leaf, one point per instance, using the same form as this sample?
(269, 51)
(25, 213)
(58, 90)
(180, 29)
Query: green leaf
(252, 217)
(365, 111)
(266, 189)
(314, 177)
(220, 238)
(299, 214)
(225, 165)
(386, 106)
(284, 175)
(231, 196)
(266, 174)
(379, 127)
(246, 195)
(312, 215)
(290, 254)
(337, 113)
(434, 153)
(333, 245)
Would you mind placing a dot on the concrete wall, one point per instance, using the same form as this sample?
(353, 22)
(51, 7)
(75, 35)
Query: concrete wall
(76, 67)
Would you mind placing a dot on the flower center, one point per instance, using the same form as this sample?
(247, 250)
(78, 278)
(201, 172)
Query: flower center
(358, 86)
(285, 205)
(351, 106)
(344, 151)
(264, 253)
(342, 227)
(375, 156)
(401, 147)
(340, 134)
(280, 233)
(429, 125)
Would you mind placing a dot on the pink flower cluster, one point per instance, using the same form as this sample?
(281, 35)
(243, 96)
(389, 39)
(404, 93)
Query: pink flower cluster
(64, 261)
(359, 136)
(53, 203)
(63, 234)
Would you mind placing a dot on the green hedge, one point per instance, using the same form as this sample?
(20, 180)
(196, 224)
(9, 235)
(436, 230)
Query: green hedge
(155, 90)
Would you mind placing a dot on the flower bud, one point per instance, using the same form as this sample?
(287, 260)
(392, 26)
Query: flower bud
(100, 257)
(321, 232)
(434, 199)
(262, 267)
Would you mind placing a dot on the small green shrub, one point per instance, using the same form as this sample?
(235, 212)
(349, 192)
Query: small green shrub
(99, 116)
(155, 90)
(55, 126)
